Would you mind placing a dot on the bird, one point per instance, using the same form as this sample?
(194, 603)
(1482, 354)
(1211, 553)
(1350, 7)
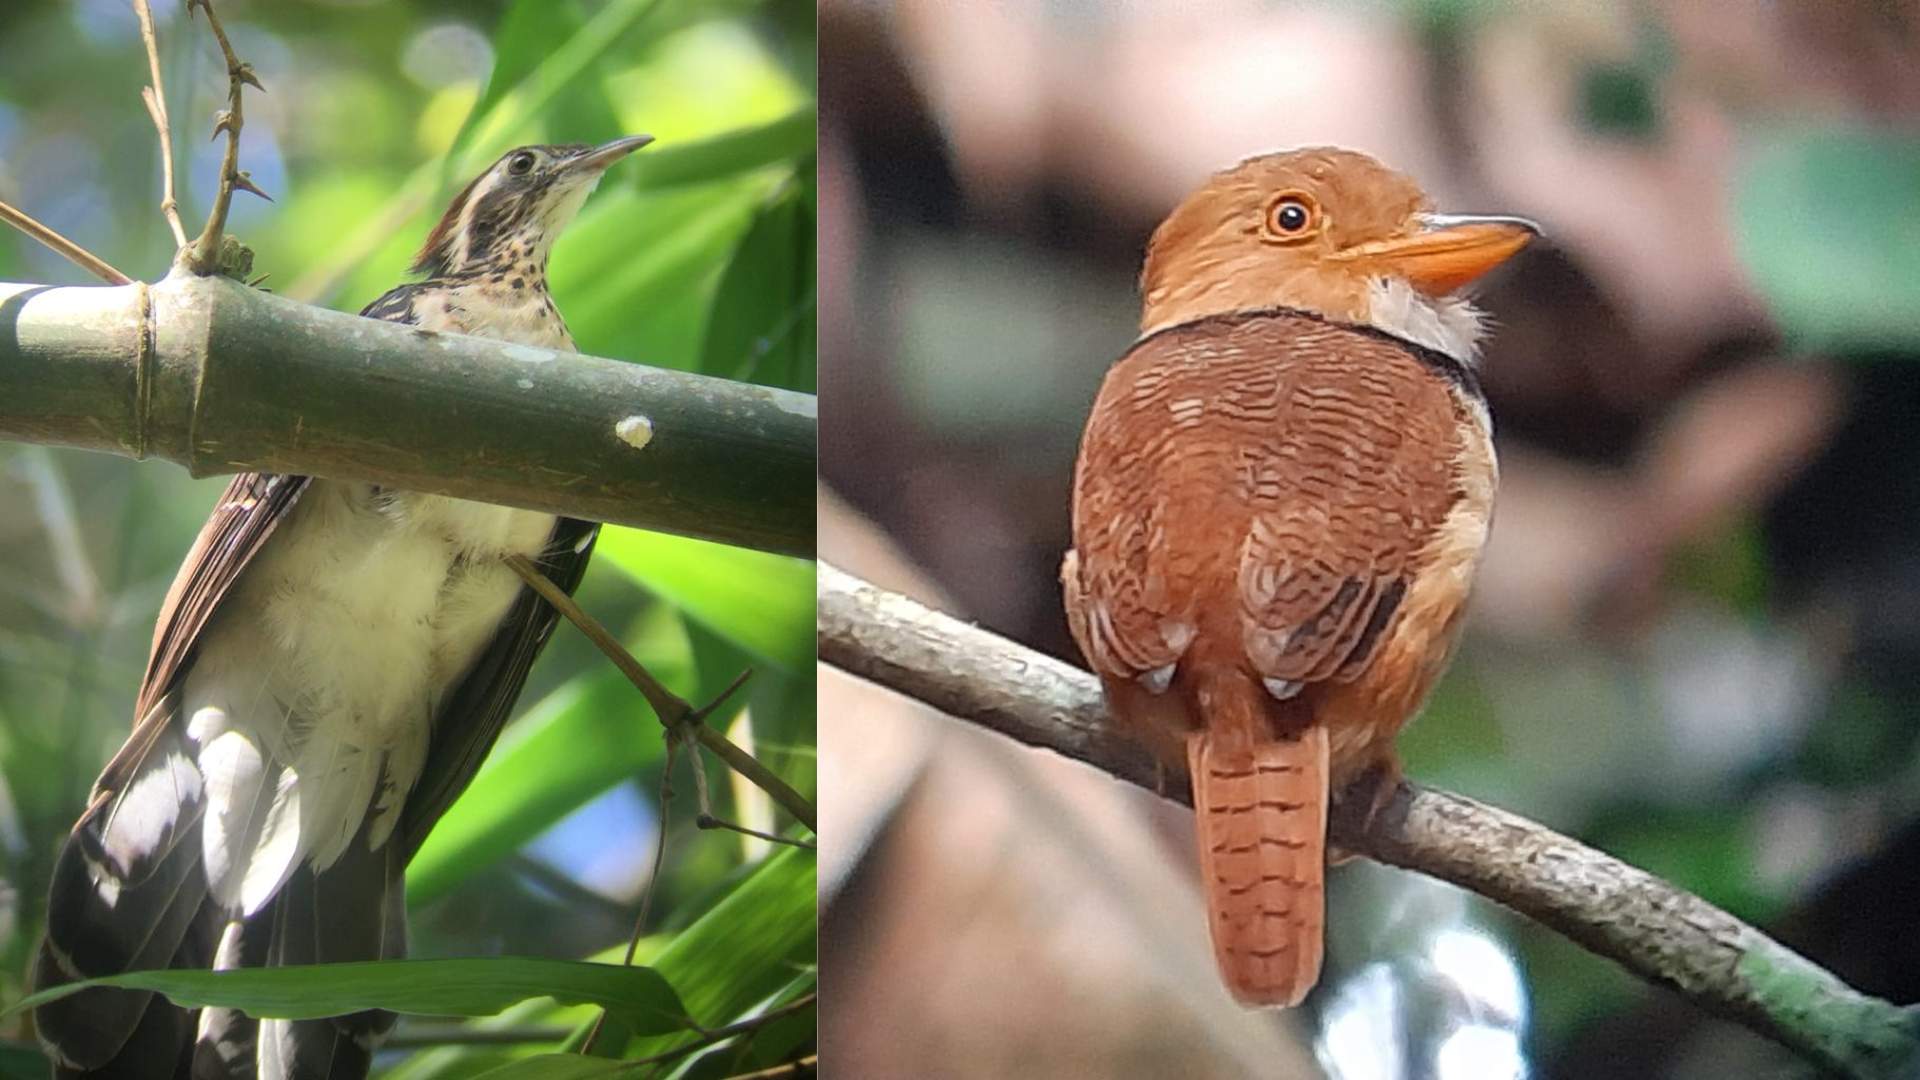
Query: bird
(330, 666)
(1278, 508)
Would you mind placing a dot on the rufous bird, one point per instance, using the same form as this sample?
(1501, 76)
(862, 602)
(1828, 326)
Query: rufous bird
(1280, 502)
(332, 664)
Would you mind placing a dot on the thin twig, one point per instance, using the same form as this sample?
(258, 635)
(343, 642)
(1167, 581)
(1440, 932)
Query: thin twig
(738, 1027)
(673, 712)
(203, 256)
(646, 893)
(156, 98)
(1654, 929)
(79, 256)
(709, 821)
(796, 1067)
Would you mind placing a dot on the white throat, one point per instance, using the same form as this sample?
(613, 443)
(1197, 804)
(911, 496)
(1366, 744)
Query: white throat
(1445, 324)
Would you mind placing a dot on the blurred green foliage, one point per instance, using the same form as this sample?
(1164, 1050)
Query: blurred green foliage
(1828, 223)
(696, 254)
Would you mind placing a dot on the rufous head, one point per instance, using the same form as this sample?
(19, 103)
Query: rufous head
(1328, 231)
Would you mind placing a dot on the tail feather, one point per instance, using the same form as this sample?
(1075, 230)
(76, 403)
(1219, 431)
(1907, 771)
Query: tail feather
(1260, 809)
(353, 910)
(127, 894)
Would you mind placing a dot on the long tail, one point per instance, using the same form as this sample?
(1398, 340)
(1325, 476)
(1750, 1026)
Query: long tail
(130, 892)
(1260, 808)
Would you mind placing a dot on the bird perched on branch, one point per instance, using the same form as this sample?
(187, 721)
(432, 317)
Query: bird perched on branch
(1279, 505)
(331, 665)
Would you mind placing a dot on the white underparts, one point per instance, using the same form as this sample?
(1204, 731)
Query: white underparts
(1445, 324)
(314, 692)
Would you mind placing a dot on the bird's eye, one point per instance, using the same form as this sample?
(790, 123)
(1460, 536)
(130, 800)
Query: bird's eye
(1290, 217)
(521, 164)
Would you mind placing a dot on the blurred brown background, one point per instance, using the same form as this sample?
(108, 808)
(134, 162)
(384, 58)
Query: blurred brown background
(1696, 638)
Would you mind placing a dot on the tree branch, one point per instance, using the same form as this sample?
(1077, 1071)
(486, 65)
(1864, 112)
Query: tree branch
(155, 97)
(219, 378)
(1663, 934)
(74, 253)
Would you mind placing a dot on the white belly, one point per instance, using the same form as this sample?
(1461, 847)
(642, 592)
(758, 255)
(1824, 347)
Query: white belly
(313, 696)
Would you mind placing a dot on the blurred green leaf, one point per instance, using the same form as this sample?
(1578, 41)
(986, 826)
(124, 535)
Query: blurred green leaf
(1828, 224)
(638, 995)
(761, 602)
(742, 951)
(788, 139)
(761, 327)
(636, 275)
(19, 1061)
(1619, 100)
(586, 737)
(562, 1067)
(545, 52)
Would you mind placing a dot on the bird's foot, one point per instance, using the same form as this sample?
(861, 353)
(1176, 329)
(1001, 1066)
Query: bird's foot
(1373, 790)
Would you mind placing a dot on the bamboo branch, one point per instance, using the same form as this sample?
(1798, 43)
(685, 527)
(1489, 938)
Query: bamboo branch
(1658, 932)
(203, 256)
(72, 252)
(220, 378)
(155, 96)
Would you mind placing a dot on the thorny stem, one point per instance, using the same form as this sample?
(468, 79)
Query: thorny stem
(155, 97)
(79, 256)
(202, 257)
(675, 713)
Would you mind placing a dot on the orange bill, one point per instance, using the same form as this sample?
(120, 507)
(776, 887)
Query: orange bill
(1450, 250)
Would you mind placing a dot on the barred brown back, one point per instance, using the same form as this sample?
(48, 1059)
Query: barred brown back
(1265, 576)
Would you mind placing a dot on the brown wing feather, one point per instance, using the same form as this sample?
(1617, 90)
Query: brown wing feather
(247, 512)
(1284, 471)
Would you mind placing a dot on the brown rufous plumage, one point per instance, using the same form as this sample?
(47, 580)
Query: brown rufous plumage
(1280, 500)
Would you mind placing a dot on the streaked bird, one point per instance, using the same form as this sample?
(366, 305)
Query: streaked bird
(330, 667)
(1279, 505)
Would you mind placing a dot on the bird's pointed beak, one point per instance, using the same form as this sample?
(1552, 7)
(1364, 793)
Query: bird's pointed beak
(598, 158)
(1447, 251)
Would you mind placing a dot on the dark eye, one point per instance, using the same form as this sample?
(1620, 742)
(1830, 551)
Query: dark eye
(1290, 216)
(521, 163)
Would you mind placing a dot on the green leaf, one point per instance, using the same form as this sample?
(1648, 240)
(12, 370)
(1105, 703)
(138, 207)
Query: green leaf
(563, 1067)
(788, 139)
(640, 996)
(763, 603)
(19, 1061)
(762, 325)
(742, 951)
(1828, 224)
(586, 737)
(635, 275)
(544, 53)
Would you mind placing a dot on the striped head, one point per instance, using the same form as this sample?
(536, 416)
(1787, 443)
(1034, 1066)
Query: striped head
(509, 215)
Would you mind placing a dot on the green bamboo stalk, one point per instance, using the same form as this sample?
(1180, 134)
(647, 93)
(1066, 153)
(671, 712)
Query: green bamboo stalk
(220, 378)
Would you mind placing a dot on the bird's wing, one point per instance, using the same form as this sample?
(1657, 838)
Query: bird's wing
(1344, 510)
(1284, 469)
(243, 518)
(246, 514)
